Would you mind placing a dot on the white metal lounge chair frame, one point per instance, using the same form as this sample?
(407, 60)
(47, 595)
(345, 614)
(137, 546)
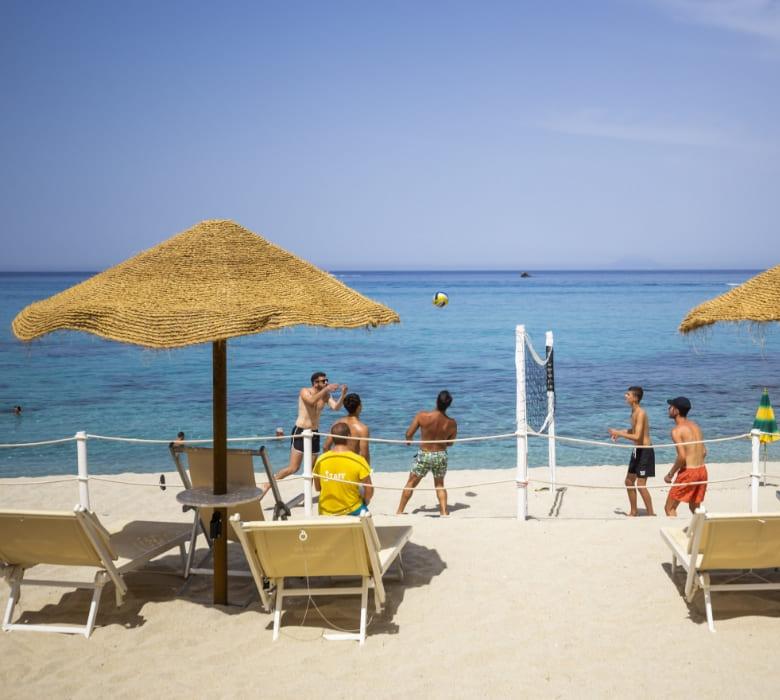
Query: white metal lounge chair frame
(694, 549)
(383, 547)
(100, 540)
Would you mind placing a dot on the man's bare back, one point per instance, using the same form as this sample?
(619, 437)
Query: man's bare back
(357, 428)
(688, 431)
(434, 425)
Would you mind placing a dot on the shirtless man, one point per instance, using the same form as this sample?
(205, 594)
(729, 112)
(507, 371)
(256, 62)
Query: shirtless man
(642, 462)
(357, 428)
(689, 464)
(311, 402)
(434, 425)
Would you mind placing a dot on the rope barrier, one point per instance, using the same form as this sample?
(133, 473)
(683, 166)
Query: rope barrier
(535, 481)
(391, 441)
(3, 482)
(584, 441)
(254, 438)
(479, 438)
(37, 444)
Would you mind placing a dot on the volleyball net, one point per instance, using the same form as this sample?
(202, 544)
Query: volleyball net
(535, 406)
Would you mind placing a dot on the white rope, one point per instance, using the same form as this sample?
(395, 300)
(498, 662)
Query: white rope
(389, 441)
(598, 443)
(536, 481)
(3, 482)
(253, 438)
(37, 444)
(636, 487)
(479, 438)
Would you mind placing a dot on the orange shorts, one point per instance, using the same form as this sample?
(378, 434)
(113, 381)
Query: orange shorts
(683, 491)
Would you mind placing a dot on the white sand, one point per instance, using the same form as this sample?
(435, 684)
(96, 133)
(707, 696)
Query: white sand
(577, 602)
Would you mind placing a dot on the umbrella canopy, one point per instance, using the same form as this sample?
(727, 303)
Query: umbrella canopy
(214, 281)
(757, 300)
(765, 420)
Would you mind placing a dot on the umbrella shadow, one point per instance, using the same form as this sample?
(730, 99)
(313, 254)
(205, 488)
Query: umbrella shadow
(342, 613)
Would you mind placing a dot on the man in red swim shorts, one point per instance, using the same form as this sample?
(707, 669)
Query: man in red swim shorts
(689, 464)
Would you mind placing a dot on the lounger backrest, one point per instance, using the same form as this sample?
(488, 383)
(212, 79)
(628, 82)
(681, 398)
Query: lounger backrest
(47, 537)
(240, 472)
(749, 541)
(333, 546)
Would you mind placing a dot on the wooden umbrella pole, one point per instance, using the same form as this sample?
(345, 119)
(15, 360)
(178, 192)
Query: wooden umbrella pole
(219, 367)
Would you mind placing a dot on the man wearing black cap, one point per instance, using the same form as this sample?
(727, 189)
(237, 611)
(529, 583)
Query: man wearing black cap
(689, 465)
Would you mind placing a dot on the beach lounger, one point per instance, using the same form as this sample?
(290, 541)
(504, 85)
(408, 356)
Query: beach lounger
(725, 544)
(77, 538)
(240, 472)
(328, 546)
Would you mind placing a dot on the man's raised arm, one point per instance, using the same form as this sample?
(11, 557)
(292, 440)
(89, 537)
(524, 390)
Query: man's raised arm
(336, 405)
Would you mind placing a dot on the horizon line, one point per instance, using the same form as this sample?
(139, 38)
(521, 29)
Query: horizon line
(529, 270)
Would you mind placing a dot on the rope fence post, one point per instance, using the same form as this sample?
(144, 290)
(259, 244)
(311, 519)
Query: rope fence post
(307, 473)
(755, 472)
(81, 461)
(522, 426)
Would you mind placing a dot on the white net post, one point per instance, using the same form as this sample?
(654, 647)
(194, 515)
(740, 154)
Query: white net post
(550, 409)
(522, 426)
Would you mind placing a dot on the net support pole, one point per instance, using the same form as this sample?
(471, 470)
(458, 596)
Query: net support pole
(755, 474)
(81, 463)
(550, 410)
(522, 427)
(307, 473)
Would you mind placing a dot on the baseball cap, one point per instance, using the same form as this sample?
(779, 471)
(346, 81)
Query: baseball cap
(680, 403)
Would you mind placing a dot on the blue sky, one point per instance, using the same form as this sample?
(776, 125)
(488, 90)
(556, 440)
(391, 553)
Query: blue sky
(395, 135)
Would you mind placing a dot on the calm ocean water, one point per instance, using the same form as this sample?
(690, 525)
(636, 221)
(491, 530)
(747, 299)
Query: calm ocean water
(612, 329)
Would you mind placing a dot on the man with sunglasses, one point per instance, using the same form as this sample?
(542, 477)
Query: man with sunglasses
(311, 402)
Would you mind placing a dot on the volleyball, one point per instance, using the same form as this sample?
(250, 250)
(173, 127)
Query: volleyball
(440, 299)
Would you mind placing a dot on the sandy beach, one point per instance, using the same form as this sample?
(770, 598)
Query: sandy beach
(576, 602)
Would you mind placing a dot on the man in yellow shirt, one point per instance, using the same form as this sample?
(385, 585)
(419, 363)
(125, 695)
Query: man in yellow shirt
(334, 469)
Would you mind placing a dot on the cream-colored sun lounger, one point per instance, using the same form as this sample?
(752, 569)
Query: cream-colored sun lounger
(327, 546)
(77, 538)
(240, 472)
(725, 544)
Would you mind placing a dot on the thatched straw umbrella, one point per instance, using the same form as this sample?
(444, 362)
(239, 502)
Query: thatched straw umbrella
(212, 282)
(756, 301)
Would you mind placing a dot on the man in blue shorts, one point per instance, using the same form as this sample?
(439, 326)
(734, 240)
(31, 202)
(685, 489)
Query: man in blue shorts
(438, 431)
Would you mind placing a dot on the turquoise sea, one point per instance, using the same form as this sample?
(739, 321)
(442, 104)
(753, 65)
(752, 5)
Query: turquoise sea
(612, 329)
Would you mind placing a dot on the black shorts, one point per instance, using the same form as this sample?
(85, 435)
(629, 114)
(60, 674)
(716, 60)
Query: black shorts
(642, 462)
(297, 442)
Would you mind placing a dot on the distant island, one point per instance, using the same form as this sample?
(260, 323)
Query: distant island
(525, 274)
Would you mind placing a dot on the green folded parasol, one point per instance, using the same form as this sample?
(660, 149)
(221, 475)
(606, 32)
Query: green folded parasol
(765, 420)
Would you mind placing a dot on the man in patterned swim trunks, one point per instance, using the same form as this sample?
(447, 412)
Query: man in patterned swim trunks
(438, 431)
(689, 464)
